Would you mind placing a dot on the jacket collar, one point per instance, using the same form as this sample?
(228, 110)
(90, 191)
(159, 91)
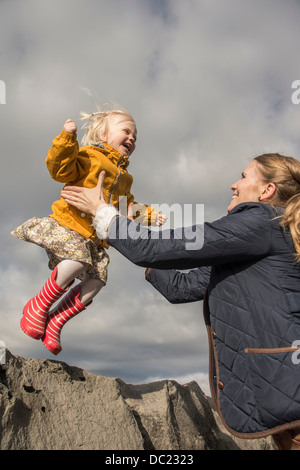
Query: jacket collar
(114, 156)
(276, 210)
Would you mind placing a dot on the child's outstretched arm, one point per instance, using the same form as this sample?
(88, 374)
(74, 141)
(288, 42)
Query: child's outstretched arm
(61, 160)
(143, 213)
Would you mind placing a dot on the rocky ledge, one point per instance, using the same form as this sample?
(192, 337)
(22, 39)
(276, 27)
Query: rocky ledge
(49, 405)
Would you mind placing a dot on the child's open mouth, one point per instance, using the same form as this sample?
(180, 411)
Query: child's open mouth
(127, 147)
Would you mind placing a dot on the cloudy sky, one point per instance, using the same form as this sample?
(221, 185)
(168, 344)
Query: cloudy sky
(209, 85)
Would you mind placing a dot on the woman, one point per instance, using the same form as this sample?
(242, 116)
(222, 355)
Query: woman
(248, 272)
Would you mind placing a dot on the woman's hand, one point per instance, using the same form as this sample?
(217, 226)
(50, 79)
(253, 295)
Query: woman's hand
(86, 199)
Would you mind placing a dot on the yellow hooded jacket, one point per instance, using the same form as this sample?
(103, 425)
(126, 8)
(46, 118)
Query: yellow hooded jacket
(80, 166)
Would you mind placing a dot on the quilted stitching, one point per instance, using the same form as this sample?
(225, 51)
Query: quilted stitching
(253, 302)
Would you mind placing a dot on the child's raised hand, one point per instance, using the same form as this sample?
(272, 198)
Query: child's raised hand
(160, 219)
(70, 126)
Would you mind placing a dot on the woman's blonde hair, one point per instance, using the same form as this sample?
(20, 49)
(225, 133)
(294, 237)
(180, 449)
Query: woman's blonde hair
(96, 125)
(284, 172)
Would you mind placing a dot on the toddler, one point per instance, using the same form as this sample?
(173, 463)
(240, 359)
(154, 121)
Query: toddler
(67, 235)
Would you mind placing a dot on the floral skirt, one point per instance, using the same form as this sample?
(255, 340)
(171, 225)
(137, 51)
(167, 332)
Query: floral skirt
(63, 243)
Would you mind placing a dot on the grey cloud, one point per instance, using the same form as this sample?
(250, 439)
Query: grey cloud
(209, 86)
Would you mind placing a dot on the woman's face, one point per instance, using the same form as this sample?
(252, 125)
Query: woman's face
(249, 188)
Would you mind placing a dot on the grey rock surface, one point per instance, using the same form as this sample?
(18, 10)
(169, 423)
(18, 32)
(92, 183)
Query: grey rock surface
(49, 405)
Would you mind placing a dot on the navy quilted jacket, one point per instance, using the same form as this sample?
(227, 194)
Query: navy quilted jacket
(247, 272)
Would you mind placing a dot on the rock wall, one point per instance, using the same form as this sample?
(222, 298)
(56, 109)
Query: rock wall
(49, 405)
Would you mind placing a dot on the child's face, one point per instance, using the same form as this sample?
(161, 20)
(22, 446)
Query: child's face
(121, 134)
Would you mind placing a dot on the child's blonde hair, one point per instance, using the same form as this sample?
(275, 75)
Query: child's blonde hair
(96, 125)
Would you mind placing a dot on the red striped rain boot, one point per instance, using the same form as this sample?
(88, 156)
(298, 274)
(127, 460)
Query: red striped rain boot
(68, 308)
(36, 310)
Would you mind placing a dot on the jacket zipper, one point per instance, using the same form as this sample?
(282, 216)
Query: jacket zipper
(117, 180)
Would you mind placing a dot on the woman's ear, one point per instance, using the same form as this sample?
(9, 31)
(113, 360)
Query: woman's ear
(268, 191)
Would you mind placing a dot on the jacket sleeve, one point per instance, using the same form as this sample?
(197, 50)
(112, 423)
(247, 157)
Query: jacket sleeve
(244, 234)
(178, 287)
(143, 214)
(61, 160)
